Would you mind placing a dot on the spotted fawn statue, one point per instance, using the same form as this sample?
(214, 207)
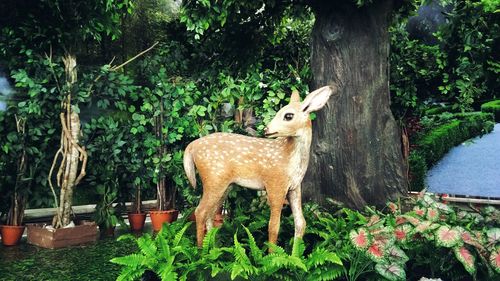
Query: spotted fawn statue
(276, 164)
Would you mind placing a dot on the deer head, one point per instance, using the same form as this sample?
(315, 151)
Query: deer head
(291, 120)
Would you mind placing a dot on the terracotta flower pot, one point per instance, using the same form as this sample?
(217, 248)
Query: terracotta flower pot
(218, 218)
(11, 234)
(160, 217)
(136, 221)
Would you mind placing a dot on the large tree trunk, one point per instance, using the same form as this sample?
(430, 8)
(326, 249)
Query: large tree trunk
(356, 154)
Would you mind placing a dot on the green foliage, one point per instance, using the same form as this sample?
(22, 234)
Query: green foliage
(492, 107)
(60, 25)
(461, 68)
(225, 254)
(415, 71)
(166, 255)
(438, 109)
(400, 237)
(418, 170)
(35, 90)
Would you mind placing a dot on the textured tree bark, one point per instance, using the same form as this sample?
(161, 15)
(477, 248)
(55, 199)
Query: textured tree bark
(356, 154)
(71, 171)
(71, 152)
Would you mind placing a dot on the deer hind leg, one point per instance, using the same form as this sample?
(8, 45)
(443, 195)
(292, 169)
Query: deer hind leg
(212, 194)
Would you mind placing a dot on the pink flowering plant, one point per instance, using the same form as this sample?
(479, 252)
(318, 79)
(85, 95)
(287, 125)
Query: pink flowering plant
(472, 237)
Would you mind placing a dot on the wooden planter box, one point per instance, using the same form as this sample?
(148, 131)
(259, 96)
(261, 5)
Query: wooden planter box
(57, 238)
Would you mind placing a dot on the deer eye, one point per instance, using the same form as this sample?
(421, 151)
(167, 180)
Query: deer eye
(288, 117)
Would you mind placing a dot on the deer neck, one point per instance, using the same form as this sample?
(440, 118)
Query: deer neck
(298, 148)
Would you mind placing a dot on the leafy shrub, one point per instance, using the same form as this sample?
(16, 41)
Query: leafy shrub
(470, 239)
(438, 109)
(461, 68)
(418, 169)
(492, 107)
(172, 256)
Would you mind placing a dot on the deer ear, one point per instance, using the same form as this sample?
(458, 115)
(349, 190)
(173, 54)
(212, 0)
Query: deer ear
(295, 96)
(317, 99)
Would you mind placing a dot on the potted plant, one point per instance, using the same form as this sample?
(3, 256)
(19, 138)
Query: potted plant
(137, 217)
(165, 189)
(135, 154)
(13, 228)
(106, 149)
(106, 215)
(68, 169)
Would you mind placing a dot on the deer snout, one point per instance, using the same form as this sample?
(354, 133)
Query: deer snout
(267, 133)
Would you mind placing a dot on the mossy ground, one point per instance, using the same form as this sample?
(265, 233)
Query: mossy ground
(87, 262)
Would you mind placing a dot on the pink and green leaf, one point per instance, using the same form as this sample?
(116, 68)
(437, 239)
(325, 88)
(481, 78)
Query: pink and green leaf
(393, 272)
(495, 259)
(427, 200)
(432, 214)
(447, 237)
(426, 226)
(393, 207)
(374, 220)
(443, 208)
(400, 220)
(413, 220)
(384, 236)
(403, 233)
(361, 238)
(419, 211)
(375, 252)
(397, 255)
(466, 258)
(493, 235)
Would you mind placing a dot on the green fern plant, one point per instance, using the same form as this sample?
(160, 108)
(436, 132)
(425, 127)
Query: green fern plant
(168, 254)
(320, 264)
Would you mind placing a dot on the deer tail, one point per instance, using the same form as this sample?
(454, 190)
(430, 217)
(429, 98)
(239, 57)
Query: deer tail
(189, 168)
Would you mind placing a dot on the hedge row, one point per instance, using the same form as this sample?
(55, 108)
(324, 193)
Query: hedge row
(438, 109)
(492, 107)
(437, 142)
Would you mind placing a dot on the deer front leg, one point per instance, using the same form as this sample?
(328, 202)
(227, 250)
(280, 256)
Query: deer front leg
(295, 200)
(276, 201)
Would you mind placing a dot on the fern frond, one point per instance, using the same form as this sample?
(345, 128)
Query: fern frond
(180, 234)
(321, 256)
(325, 273)
(209, 240)
(164, 247)
(258, 224)
(275, 248)
(132, 260)
(167, 272)
(284, 261)
(255, 251)
(238, 270)
(126, 237)
(239, 252)
(147, 245)
(298, 248)
(130, 274)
